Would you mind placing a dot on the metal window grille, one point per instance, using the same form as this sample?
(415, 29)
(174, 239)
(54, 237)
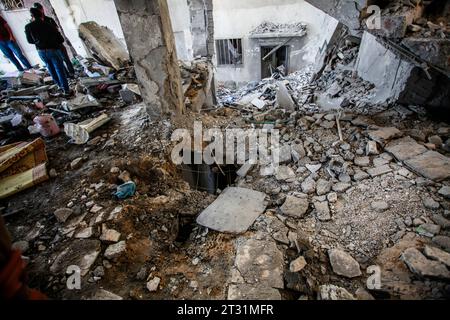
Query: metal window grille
(229, 51)
(11, 4)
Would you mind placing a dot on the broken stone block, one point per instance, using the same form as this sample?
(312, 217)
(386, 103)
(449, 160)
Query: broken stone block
(379, 171)
(81, 253)
(110, 235)
(63, 214)
(284, 98)
(341, 187)
(383, 135)
(428, 230)
(295, 207)
(322, 210)
(260, 262)
(102, 42)
(343, 264)
(445, 192)
(371, 148)
(308, 186)
(76, 164)
(85, 233)
(298, 152)
(362, 161)
(115, 250)
(285, 154)
(323, 187)
(430, 204)
(431, 165)
(405, 148)
(443, 242)
(313, 168)
(334, 293)
(103, 295)
(284, 173)
(438, 255)
(423, 267)
(298, 264)
(379, 206)
(234, 211)
(441, 221)
(153, 284)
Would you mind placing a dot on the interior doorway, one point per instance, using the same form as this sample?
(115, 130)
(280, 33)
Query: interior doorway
(274, 60)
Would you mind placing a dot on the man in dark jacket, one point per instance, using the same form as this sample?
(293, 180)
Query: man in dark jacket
(9, 47)
(48, 41)
(63, 51)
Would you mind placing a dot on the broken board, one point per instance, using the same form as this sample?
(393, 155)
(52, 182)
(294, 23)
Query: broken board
(234, 211)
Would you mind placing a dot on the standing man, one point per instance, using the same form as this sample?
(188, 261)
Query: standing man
(9, 47)
(48, 41)
(63, 51)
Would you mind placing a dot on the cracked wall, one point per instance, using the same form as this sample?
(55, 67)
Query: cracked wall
(149, 36)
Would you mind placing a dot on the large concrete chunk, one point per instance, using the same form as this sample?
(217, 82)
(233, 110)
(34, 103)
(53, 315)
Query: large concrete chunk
(234, 211)
(82, 253)
(431, 165)
(383, 135)
(421, 266)
(102, 43)
(405, 148)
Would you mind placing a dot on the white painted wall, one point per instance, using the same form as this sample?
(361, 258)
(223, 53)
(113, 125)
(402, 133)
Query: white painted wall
(181, 21)
(72, 13)
(17, 20)
(237, 18)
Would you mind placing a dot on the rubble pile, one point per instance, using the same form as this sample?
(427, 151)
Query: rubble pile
(280, 28)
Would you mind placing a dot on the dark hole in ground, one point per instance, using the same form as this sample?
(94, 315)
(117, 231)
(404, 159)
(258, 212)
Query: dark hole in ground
(209, 178)
(186, 225)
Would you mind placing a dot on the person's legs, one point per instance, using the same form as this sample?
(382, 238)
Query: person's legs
(10, 55)
(58, 66)
(45, 56)
(66, 58)
(18, 52)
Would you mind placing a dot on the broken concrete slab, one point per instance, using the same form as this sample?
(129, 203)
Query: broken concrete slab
(438, 255)
(103, 44)
(322, 210)
(295, 207)
(81, 253)
(379, 171)
(421, 266)
(343, 264)
(234, 211)
(405, 148)
(431, 165)
(260, 262)
(383, 135)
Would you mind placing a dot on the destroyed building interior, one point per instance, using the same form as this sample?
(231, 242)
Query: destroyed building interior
(358, 90)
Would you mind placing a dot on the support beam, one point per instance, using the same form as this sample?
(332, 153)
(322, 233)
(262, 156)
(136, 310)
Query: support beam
(148, 32)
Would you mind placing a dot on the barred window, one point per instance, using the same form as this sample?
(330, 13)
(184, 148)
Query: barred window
(229, 52)
(11, 4)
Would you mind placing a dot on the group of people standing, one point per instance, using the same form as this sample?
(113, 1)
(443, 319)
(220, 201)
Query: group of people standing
(44, 33)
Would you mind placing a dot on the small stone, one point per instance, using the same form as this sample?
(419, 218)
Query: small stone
(76, 164)
(343, 264)
(341, 187)
(443, 242)
(99, 272)
(115, 250)
(322, 210)
(428, 230)
(22, 246)
(295, 207)
(308, 186)
(362, 161)
(378, 171)
(63, 214)
(436, 140)
(85, 233)
(331, 292)
(371, 148)
(323, 187)
(421, 266)
(115, 170)
(53, 174)
(298, 264)
(96, 209)
(298, 152)
(313, 168)
(142, 274)
(379, 206)
(110, 235)
(441, 221)
(153, 284)
(438, 255)
(430, 204)
(284, 173)
(345, 178)
(332, 197)
(362, 295)
(445, 192)
(360, 175)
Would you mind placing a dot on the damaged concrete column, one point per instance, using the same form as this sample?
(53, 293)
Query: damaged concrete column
(202, 27)
(148, 32)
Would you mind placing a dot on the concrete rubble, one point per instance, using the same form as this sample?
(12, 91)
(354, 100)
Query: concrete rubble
(363, 179)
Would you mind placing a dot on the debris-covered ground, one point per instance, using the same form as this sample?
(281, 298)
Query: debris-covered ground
(359, 185)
